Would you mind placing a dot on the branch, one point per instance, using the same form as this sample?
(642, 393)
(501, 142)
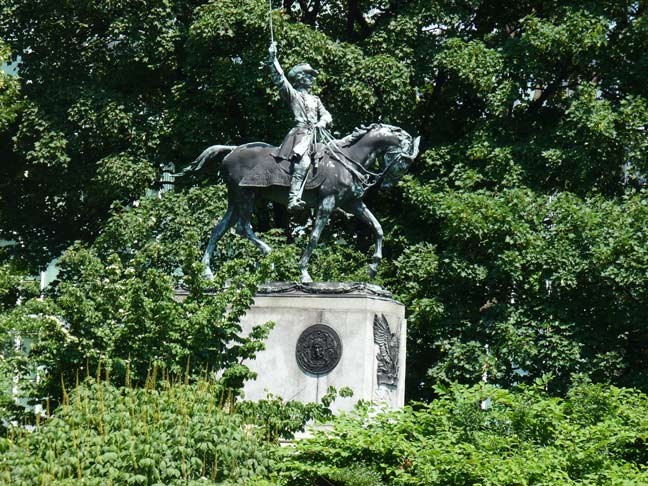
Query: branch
(541, 95)
(355, 16)
(309, 14)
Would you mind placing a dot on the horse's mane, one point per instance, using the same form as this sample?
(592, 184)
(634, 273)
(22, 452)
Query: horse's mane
(362, 130)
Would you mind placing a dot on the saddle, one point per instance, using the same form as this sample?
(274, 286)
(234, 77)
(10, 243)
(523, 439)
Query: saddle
(277, 172)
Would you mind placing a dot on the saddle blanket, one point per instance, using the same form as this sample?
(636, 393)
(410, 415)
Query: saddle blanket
(275, 172)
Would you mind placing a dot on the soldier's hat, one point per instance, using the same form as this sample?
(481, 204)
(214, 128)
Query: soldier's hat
(302, 68)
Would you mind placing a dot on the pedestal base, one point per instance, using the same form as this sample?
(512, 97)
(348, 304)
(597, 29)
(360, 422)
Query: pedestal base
(329, 334)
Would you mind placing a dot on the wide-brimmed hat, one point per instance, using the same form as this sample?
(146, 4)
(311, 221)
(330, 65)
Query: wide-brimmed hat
(302, 68)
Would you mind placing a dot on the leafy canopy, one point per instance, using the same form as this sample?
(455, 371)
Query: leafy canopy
(518, 241)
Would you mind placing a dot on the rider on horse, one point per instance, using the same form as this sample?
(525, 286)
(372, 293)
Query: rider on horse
(310, 115)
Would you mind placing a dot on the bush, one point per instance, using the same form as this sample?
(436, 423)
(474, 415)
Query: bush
(278, 419)
(126, 316)
(489, 436)
(173, 434)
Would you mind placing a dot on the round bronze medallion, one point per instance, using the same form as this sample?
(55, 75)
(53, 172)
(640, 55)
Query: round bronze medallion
(318, 349)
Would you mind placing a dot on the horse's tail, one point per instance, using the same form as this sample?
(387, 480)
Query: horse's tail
(207, 155)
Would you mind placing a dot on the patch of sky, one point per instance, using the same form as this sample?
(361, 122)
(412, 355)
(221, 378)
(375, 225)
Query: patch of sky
(10, 68)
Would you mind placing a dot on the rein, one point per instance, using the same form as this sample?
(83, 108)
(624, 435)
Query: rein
(364, 178)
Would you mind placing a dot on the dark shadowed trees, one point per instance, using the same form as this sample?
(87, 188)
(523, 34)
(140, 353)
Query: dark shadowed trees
(519, 240)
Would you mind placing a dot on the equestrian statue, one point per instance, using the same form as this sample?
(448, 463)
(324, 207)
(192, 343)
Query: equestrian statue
(310, 168)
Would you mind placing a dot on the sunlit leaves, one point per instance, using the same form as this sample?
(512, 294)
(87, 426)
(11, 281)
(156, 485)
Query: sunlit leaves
(178, 433)
(487, 435)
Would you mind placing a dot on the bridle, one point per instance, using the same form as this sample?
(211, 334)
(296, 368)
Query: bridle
(365, 177)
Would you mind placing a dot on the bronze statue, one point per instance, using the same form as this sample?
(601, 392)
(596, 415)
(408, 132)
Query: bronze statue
(343, 175)
(310, 116)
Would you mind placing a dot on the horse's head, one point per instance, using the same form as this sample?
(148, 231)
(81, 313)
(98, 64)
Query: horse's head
(393, 146)
(399, 153)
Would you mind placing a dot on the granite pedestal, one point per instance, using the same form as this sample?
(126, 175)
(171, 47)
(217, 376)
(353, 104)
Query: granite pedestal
(329, 334)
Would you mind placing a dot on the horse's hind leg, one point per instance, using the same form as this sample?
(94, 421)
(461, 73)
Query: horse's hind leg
(217, 233)
(245, 227)
(249, 233)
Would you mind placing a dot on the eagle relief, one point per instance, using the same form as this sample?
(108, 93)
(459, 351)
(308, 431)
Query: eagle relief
(388, 346)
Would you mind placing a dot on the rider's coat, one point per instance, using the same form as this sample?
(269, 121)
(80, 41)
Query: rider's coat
(307, 109)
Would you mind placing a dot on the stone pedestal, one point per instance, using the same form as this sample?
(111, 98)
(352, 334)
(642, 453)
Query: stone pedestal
(329, 334)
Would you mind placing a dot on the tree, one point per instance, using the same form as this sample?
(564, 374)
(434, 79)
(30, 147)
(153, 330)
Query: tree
(9, 93)
(13, 288)
(517, 243)
(531, 259)
(114, 90)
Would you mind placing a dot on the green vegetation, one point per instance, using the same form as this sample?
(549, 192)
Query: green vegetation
(486, 435)
(177, 433)
(119, 309)
(9, 93)
(106, 435)
(517, 242)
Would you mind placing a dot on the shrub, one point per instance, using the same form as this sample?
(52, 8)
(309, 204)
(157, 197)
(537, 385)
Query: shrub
(173, 434)
(489, 436)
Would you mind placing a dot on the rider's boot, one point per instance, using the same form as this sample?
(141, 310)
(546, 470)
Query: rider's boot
(295, 202)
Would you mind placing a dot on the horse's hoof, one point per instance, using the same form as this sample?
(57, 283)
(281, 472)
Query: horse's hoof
(373, 271)
(296, 206)
(208, 274)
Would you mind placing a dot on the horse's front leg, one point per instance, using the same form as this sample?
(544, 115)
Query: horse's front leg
(326, 207)
(362, 212)
(219, 230)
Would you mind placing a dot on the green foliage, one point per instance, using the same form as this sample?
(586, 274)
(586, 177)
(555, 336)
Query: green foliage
(486, 435)
(126, 316)
(278, 419)
(9, 93)
(114, 301)
(13, 287)
(14, 360)
(518, 240)
(355, 475)
(169, 434)
(526, 219)
(114, 304)
(526, 275)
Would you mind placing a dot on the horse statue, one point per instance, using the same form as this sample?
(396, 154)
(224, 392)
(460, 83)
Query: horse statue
(338, 178)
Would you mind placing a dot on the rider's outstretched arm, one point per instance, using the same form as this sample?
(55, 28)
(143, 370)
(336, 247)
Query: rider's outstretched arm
(285, 88)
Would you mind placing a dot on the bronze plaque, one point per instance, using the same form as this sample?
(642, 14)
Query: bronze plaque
(318, 349)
